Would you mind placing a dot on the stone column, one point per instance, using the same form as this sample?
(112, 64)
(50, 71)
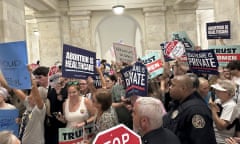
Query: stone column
(80, 29)
(12, 22)
(155, 27)
(50, 38)
(229, 11)
(185, 20)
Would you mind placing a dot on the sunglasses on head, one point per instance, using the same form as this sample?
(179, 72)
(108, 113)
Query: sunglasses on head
(72, 83)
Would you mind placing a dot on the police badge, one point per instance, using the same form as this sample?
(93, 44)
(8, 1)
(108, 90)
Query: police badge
(174, 114)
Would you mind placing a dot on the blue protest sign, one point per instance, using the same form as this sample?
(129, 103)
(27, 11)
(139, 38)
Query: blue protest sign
(204, 61)
(218, 30)
(8, 120)
(135, 79)
(13, 64)
(78, 63)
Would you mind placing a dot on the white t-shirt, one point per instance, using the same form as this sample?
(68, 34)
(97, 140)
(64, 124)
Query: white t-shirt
(34, 132)
(8, 107)
(228, 114)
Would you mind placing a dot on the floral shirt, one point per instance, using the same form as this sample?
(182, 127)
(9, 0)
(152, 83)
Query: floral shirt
(107, 120)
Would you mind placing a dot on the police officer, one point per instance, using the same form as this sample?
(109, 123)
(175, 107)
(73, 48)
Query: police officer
(189, 118)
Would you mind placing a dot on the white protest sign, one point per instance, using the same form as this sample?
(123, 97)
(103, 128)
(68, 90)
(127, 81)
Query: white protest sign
(124, 53)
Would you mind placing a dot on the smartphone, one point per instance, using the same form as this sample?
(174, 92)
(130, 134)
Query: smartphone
(98, 62)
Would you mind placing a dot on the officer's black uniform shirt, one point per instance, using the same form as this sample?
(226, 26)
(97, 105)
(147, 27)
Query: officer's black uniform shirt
(191, 121)
(160, 135)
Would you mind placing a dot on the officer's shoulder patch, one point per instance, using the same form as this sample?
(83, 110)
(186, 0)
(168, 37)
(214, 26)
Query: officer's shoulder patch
(198, 121)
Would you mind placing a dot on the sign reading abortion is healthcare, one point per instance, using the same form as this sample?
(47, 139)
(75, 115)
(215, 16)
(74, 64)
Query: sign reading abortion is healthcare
(204, 61)
(135, 78)
(219, 30)
(78, 63)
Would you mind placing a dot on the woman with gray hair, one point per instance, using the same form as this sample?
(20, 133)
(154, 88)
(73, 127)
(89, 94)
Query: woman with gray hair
(224, 110)
(6, 137)
(3, 97)
(147, 121)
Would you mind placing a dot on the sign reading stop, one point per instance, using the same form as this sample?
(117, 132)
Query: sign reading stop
(119, 134)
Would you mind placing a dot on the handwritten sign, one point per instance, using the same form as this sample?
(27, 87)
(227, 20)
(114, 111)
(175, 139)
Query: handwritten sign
(78, 63)
(13, 64)
(8, 120)
(153, 63)
(218, 30)
(135, 79)
(124, 53)
(76, 136)
(226, 53)
(204, 61)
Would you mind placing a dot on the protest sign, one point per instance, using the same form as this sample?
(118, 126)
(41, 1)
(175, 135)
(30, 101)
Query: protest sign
(13, 64)
(174, 49)
(153, 63)
(135, 79)
(183, 37)
(76, 136)
(78, 63)
(119, 134)
(204, 61)
(218, 30)
(8, 120)
(124, 53)
(226, 53)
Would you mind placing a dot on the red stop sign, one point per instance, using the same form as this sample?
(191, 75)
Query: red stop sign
(119, 134)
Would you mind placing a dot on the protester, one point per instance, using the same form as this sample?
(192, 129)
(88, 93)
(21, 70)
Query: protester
(147, 121)
(6, 137)
(77, 110)
(189, 118)
(3, 97)
(204, 89)
(106, 116)
(223, 110)
(32, 126)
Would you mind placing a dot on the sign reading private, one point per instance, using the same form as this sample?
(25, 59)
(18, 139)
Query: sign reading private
(78, 63)
(135, 78)
(153, 63)
(226, 53)
(124, 53)
(218, 30)
(13, 64)
(8, 120)
(204, 61)
(76, 136)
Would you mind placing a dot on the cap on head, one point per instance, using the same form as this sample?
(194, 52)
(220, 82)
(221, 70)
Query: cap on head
(225, 85)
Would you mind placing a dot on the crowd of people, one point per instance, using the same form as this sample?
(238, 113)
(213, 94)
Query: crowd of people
(180, 108)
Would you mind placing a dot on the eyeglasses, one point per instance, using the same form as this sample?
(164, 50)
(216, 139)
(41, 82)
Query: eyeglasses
(72, 83)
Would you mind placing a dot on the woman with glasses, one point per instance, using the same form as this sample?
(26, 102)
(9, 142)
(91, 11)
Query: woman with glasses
(78, 110)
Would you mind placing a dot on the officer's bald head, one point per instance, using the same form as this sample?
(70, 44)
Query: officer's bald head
(185, 81)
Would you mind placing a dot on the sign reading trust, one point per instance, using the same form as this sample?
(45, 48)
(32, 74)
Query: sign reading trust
(78, 63)
(13, 64)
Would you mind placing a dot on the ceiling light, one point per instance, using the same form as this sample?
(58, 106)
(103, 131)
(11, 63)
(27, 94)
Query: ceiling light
(118, 9)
